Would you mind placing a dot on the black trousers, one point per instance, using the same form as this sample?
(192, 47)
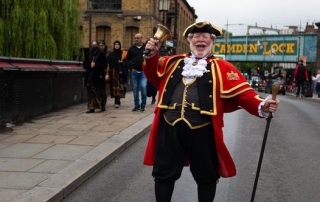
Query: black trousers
(300, 84)
(117, 100)
(175, 144)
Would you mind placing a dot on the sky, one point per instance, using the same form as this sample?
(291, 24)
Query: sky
(277, 14)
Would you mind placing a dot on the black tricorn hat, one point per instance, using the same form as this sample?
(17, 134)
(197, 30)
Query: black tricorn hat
(202, 27)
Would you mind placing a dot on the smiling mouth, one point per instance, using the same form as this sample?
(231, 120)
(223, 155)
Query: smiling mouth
(200, 46)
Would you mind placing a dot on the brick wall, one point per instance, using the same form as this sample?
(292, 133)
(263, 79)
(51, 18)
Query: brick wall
(149, 16)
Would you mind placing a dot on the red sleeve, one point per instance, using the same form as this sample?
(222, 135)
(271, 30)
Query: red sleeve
(307, 75)
(150, 67)
(295, 72)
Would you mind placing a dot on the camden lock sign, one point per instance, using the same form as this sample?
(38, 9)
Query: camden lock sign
(270, 48)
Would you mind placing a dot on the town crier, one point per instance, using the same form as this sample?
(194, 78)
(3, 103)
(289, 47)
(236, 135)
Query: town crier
(195, 90)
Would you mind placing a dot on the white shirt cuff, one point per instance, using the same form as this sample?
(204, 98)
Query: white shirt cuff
(262, 113)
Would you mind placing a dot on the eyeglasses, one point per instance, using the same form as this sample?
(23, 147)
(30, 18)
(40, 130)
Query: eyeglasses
(204, 36)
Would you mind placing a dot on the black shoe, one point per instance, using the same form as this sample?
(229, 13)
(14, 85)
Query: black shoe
(142, 108)
(90, 111)
(103, 109)
(135, 109)
(153, 102)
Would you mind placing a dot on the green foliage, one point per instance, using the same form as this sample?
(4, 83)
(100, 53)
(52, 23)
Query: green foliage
(43, 29)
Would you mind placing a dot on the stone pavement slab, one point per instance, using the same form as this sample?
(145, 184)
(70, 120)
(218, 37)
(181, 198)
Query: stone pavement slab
(46, 158)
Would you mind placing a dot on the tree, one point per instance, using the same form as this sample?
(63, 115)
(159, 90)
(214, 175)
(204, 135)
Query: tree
(44, 29)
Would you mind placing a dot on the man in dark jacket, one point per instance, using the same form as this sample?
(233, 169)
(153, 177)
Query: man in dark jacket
(300, 76)
(134, 60)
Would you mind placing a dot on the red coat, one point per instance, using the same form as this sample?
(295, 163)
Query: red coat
(231, 91)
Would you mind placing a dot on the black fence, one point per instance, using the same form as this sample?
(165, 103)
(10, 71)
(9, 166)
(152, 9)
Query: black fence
(31, 87)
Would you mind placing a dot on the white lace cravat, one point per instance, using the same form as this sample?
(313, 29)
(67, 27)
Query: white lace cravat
(194, 68)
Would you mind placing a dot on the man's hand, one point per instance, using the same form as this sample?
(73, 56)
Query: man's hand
(270, 106)
(152, 45)
(93, 64)
(107, 77)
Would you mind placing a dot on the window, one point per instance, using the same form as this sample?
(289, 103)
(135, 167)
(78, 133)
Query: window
(129, 36)
(103, 32)
(111, 5)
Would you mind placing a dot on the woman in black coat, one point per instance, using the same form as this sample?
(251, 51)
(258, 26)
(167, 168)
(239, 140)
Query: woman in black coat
(96, 79)
(117, 73)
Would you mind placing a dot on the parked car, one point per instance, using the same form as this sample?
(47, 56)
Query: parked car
(262, 85)
(268, 87)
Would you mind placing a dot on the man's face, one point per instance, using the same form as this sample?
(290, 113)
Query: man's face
(201, 44)
(138, 39)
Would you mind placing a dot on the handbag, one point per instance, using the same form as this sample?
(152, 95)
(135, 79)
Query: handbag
(122, 89)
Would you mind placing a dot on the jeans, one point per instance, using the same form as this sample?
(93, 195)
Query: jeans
(318, 89)
(139, 81)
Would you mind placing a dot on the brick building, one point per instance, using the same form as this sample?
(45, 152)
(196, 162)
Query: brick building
(121, 19)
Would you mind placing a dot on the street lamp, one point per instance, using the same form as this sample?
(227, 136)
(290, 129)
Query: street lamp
(175, 37)
(163, 7)
(226, 36)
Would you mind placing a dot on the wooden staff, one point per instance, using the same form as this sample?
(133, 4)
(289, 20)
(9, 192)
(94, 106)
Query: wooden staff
(275, 90)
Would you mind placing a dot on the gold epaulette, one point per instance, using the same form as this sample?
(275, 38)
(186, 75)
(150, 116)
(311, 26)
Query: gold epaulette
(166, 62)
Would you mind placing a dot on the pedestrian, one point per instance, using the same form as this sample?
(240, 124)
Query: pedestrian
(96, 65)
(117, 73)
(300, 76)
(316, 79)
(87, 61)
(103, 47)
(134, 61)
(151, 92)
(195, 90)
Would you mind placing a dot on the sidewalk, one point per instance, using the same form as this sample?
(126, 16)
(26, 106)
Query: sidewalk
(48, 157)
(314, 98)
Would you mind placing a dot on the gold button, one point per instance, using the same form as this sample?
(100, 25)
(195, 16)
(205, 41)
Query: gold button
(211, 110)
(210, 81)
(210, 96)
(171, 76)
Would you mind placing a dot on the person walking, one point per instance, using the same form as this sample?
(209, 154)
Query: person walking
(95, 82)
(151, 92)
(134, 60)
(316, 79)
(300, 76)
(87, 61)
(117, 73)
(195, 90)
(104, 49)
